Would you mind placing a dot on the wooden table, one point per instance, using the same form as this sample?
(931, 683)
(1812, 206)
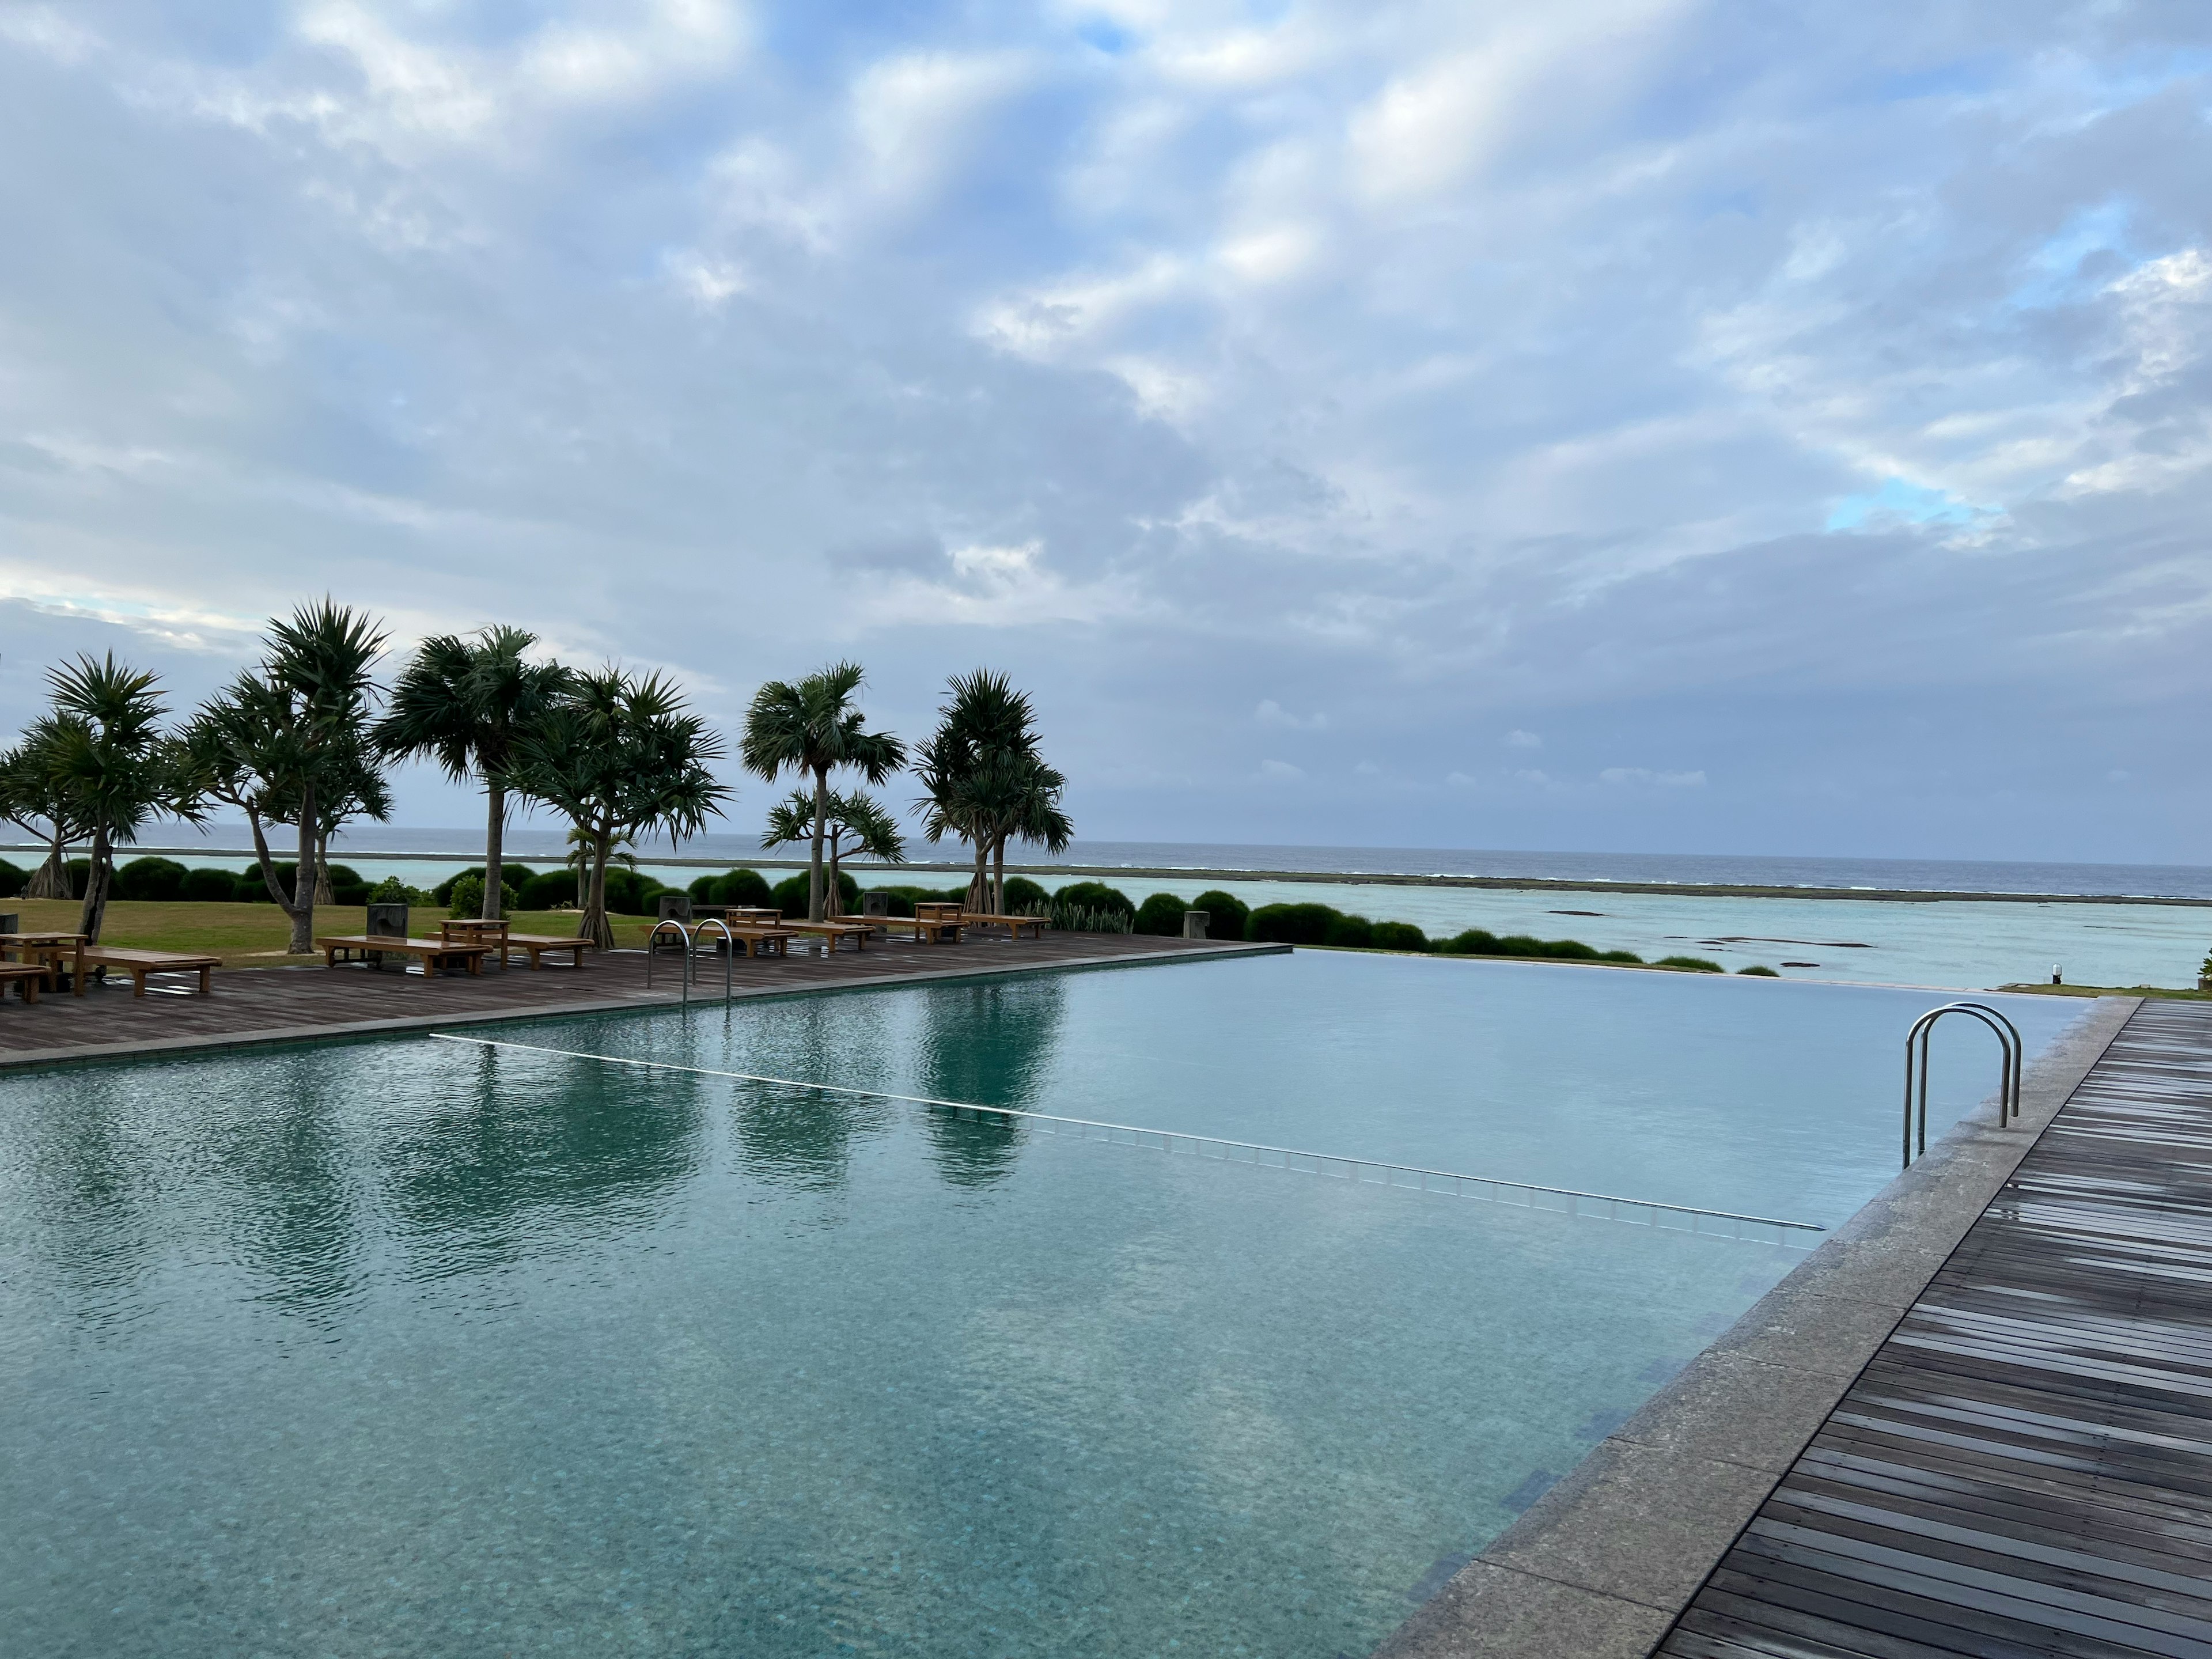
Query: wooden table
(491, 933)
(48, 949)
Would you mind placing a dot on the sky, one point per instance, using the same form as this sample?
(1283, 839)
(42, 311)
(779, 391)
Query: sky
(1664, 425)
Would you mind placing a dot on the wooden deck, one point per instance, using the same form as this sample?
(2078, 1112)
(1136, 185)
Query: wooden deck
(2025, 1466)
(266, 1004)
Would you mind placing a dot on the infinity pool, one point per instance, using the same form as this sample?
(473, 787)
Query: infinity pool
(422, 1347)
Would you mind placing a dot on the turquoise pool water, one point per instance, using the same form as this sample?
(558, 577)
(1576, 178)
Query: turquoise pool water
(412, 1347)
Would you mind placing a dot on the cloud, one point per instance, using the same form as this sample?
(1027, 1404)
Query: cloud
(1451, 370)
(1273, 714)
(1280, 771)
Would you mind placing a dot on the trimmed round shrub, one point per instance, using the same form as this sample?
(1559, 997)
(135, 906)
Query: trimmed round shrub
(1291, 924)
(464, 898)
(205, 886)
(1160, 915)
(13, 878)
(160, 880)
(348, 887)
(793, 896)
(1474, 942)
(1757, 972)
(1351, 933)
(1092, 896)
(1023, 896)
(629, 894)
(746, 887)
(1399, 936)
(1225, 914)
(1691, 965)
(80, 871)
(1620, 955)
(547, 891)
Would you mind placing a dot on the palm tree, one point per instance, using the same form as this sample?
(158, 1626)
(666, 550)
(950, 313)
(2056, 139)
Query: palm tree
(620, 757)
(465, 702)
(111, 762)
(34, 796)
(985, 782)
(874, 832)
(812, 728)
(289, 743)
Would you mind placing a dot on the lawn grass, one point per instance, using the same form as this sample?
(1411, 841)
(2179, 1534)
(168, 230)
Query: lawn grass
(254, 935)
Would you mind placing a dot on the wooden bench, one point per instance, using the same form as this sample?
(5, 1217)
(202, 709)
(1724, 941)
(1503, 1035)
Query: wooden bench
(27, 977)
(139, 963)
(432, 953)
(830, 932)
(1013, 925)
(535, 945)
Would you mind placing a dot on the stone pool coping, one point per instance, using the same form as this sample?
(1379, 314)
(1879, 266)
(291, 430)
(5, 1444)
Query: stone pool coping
(631, 1002)
(1600, 1565)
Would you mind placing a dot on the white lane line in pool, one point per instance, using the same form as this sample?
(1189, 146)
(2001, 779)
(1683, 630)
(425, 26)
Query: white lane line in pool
(1465, 1186)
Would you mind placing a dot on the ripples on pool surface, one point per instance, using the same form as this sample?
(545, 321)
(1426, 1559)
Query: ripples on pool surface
(412, 1347)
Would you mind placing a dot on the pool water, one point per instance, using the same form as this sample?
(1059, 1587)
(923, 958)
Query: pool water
(411, 1347)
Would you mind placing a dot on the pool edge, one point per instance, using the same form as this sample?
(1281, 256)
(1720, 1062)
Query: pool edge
(1601, 1565)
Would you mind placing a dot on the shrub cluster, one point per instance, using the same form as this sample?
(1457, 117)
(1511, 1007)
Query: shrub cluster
(743, 887)
(164, 881)
(792, 895)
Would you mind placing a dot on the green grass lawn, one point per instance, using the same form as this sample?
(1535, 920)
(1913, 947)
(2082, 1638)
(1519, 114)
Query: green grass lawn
(254, 935)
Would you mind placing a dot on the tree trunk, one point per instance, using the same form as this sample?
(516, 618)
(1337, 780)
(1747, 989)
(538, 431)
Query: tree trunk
(596, 926)
(978, 884)
(323, 893)
(95, 890)
(52, 879)
(582, 860)
(301, 908)
(494, 839)
(833, 900)
(814, 911)
(998, 877)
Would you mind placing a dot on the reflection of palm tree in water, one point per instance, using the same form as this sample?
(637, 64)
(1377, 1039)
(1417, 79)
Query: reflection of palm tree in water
(799, 1138)
(521, 1157)
(988, 1044)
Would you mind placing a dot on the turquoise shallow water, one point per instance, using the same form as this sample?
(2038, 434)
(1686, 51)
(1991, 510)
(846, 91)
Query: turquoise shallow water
(407, 1347)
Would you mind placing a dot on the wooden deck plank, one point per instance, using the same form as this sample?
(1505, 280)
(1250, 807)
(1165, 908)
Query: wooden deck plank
(2025, 1469)
(289, 1003)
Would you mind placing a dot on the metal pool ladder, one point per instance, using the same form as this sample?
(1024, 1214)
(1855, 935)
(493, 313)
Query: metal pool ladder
(689, 936)
(1916, 1044)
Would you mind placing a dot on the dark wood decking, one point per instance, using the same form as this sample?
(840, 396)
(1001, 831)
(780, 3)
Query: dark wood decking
(278, 1004)
(2025, 1466)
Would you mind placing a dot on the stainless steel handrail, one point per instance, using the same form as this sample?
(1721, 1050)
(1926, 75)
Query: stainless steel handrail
(1921, 1038)
(683, 974)
(730, 961)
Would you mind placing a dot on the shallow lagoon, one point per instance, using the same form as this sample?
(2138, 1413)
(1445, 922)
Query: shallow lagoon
(406, 1346)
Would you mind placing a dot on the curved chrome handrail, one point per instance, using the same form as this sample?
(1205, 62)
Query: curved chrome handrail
(683, 974)
(1920, 1037)
(730, 961)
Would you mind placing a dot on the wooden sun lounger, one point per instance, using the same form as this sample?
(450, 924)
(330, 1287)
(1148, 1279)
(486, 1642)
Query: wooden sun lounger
(432, 953)
(139, 963)
(27, 977)
(925, 930)
(830, 932)
(1013, 925)
(538, 944)
(756, 940)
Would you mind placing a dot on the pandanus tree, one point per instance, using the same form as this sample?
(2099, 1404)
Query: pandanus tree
(854, 823)
(34, 797)
(812, 728)
(109, 760)
(620, 757)
(466, 703)
(985, 782)
(289, 743)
